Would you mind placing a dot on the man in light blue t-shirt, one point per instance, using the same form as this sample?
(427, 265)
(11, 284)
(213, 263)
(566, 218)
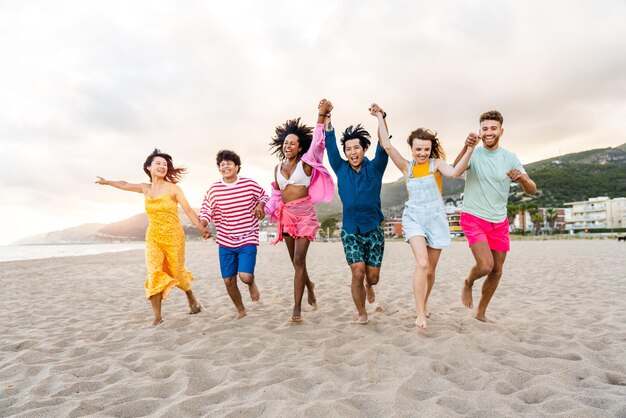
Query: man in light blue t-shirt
(489, 175)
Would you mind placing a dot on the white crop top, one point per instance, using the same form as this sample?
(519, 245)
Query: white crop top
(298, 177)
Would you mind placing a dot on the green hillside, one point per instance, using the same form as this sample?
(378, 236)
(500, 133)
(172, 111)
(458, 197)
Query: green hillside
(579, 176)
(570, 182)
(567, 178)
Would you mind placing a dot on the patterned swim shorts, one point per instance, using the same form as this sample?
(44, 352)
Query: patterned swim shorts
(368, 247)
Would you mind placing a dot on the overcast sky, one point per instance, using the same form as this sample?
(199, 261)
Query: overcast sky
(91, 87)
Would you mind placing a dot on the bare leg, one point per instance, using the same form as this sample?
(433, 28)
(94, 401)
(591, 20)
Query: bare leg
(310, 291)
(484, 265)
(310, 286)
(194, 306)
(300, 248)
(433, 259)
(235, 296)
(155, 300)
(420, 282)
(372, 275)
(358, 290)
(248, 279)
(490, 285)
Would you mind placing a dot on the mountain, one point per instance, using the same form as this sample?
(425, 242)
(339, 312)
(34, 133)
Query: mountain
(579, 176)
(567, 178)
(131, 229)
(392, 196)
(82, 234)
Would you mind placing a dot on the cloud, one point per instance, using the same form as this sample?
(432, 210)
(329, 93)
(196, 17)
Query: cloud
(90, 88)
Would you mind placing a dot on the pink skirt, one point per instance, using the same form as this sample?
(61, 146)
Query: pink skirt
(296, 218)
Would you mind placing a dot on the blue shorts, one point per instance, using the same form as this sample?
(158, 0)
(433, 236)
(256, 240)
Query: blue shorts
(234, 260)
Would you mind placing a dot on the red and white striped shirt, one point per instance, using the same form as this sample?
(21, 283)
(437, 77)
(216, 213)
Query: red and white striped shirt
(231, 208)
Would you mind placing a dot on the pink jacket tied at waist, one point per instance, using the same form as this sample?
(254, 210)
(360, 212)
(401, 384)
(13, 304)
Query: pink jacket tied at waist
(297, 218)
(322, 187)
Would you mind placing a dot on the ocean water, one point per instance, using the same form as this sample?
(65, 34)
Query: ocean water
(31, 252)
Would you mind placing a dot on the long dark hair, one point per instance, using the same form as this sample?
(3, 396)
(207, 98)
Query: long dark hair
(174, 175)
(436, 150)
(293, 126)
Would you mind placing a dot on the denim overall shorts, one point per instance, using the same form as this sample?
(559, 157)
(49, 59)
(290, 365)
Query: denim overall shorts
(424, 213)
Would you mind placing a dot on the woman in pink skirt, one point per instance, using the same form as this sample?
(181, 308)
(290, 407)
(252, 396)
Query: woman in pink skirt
(300, 181)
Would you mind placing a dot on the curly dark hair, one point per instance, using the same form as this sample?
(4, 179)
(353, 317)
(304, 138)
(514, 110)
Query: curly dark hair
(292, 126)
(436, 150)
(357, 132)
(174, 175)
(227, 155)
(492, 115)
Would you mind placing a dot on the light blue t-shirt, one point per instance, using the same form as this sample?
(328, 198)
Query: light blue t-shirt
(487, 185)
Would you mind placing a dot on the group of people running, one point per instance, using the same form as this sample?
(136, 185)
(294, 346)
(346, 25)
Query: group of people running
(235, 204)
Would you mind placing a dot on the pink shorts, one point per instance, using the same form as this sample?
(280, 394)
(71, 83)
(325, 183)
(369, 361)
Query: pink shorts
(477, 230)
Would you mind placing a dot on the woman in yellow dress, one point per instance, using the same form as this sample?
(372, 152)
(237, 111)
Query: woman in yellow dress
(165, 239)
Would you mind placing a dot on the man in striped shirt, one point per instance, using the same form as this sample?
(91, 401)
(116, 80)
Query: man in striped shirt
(235, 205)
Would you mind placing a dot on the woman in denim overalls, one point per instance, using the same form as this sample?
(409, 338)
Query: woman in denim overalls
(424, 219)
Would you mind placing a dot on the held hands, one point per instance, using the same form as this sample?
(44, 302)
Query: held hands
(204, 232)
(325, 107)
(259, 210)
(375, 110)
(472, 139)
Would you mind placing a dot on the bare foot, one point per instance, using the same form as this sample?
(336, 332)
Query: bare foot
(466, 295)
(240, 315)
(310, 294)
(195, 308)
(371, 295)
(427, 314)
(420, 322)
(254, 292)
(363, 319)
(296, 316)
(483, 318)
(157, 321)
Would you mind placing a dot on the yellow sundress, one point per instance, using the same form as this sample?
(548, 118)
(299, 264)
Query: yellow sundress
(165, 248)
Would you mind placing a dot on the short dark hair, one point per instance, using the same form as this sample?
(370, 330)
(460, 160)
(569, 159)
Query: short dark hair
(492, 115)
(356, 132)
(227, 155)
(436, 151)
(292, 126)
(174, 175)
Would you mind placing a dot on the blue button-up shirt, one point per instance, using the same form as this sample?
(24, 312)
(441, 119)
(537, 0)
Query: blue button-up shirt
(359, 191)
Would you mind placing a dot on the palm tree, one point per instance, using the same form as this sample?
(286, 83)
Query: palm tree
(551, 215)
(328, 227)
(536, 217)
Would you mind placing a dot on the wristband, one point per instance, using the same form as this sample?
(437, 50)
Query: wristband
(384, 115)
(324, 114)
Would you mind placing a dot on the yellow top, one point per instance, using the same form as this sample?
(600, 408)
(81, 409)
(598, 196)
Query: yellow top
(421, 170)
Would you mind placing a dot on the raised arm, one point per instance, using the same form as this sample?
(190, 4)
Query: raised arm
(385, 142)
(334, 158)
(191, 214)
(123, 185)
(470, 141)
(459, 167)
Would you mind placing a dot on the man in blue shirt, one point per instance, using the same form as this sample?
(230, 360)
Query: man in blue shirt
(360, 181)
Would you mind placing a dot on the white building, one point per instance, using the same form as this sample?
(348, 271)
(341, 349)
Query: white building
(596, 213)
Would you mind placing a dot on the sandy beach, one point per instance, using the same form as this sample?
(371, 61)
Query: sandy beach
(77, 340)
